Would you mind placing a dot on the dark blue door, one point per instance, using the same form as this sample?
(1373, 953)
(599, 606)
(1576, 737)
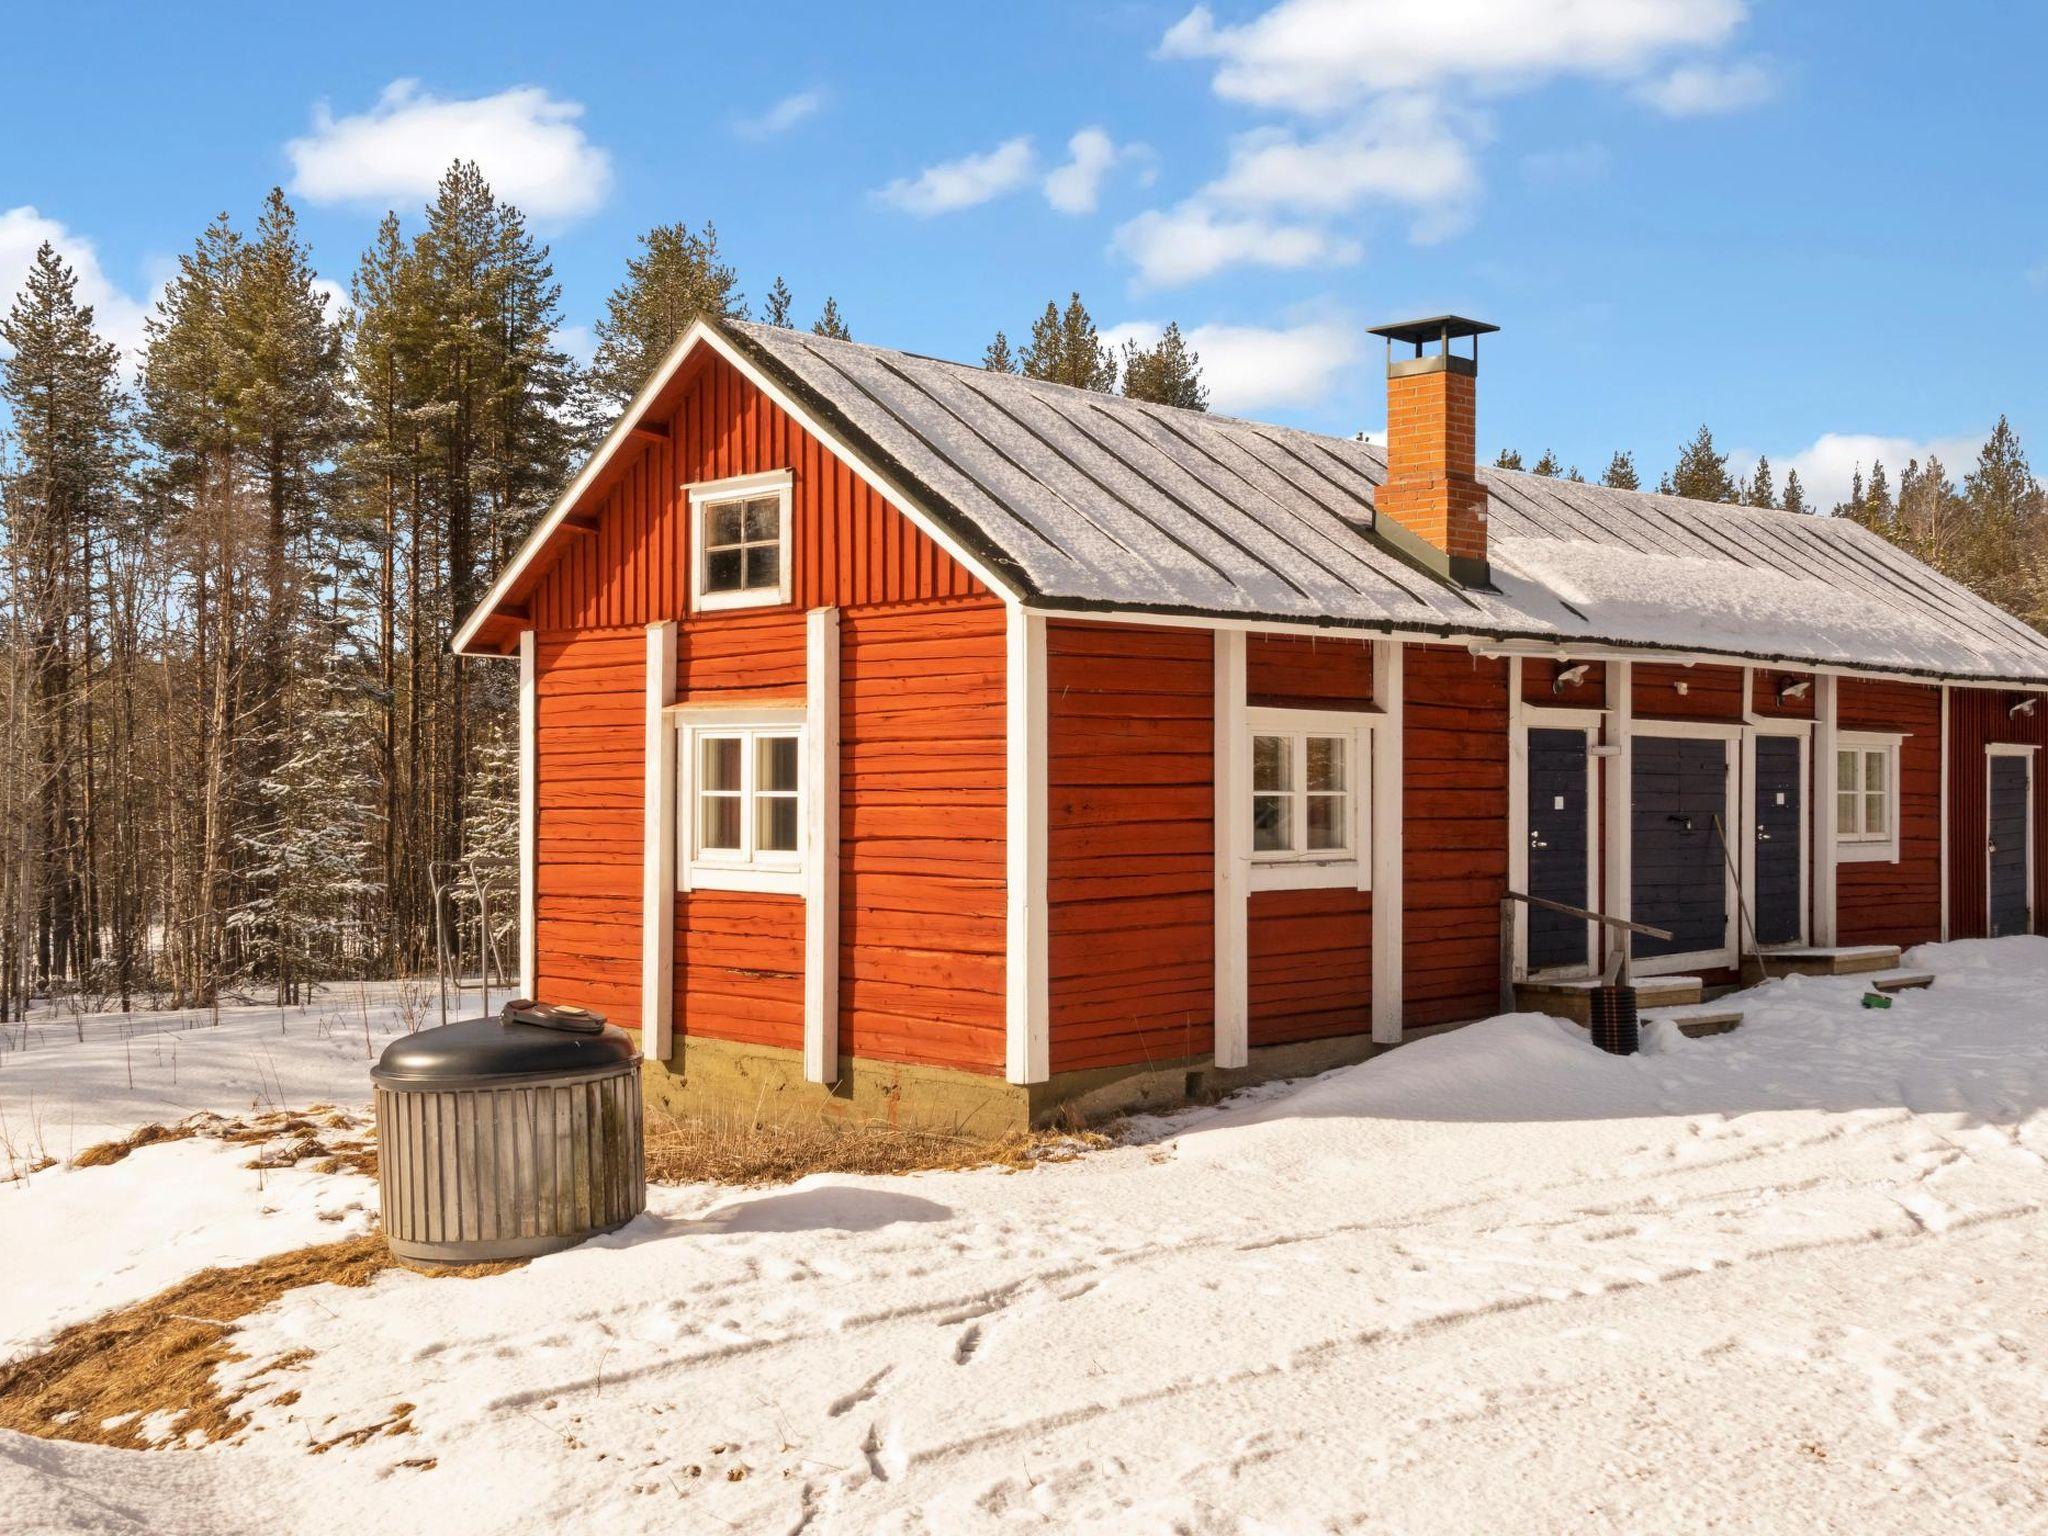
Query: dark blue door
(1679, 787)
(1779, 849)
(1559, 839)
(2011, 903)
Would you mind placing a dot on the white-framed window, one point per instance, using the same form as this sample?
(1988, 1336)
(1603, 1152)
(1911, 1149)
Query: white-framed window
(739, 542)
(740, 791)
(1310, 782)
(1866, 790)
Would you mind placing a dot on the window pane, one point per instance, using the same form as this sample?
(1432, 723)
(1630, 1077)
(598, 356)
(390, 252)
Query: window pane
(719, 822)
(775, 763)
(1270, 832)
(1876, 813)
(762, 517)
(1846, 769)
(722, 524)
(1874, 765)
(764, 565)
(775, 824)
(721, 762)
(1326, 821)
(1848, 805)
(722, 570)
(1272, 762)
(1326, 763)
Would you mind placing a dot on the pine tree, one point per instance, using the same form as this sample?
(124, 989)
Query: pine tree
(1795, 493)
(1166, 373)
(998, 358)
(1879, 513)
(1509, 458)
(677, 277)
(1701, 473)
(1621, 473)
(1761, 490)
(829, 322)
(1574, 476)
(1065, 349)
(1548, 466)
(776, 309)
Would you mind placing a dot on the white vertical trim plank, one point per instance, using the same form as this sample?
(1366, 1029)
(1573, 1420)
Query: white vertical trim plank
(821, 845)
(1618, 829)
(1233, 853)
(1389, 839)
(1027, 972)
(1518, 816)
(1824, 846)
(529, 811)
(1943, 802)
(658, 851)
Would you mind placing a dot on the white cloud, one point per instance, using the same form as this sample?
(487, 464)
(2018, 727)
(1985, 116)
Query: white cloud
(335, 295)
(1092, 154)
(117, 315)
(781, 117)
(531, 146)
(1325, 55)
(579, 341)
(1826, 464)
(1704, 89)
(963, 183)
(1250, 368)
(1401, 151)
(1194, 241)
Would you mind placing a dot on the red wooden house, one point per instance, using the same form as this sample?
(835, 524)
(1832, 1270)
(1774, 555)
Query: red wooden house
(949, 745)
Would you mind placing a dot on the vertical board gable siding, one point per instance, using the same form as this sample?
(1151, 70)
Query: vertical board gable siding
(1886, 903)
(1455, 868)
(1131, 843)
(1980, 717)
(590, 707)
(847, 544)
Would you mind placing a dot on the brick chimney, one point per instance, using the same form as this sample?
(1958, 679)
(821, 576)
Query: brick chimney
(1432, 493)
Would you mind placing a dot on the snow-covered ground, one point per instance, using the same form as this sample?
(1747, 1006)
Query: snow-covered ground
(1786, 1279)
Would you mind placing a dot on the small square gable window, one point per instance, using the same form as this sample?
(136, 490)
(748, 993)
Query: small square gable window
(739, 542)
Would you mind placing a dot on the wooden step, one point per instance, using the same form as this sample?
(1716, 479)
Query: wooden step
(1574, 999)
(1900, 980)
(1825, 960)
(1698, 1020)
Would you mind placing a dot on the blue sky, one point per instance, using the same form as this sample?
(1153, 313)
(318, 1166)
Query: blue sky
(1818, 226)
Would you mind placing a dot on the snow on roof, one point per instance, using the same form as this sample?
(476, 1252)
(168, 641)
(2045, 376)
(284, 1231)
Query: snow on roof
(1092, 501)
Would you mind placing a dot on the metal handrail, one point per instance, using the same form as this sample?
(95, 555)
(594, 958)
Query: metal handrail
(1507, 936)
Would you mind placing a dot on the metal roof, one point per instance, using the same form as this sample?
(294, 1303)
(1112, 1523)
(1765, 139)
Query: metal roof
(1091, 501)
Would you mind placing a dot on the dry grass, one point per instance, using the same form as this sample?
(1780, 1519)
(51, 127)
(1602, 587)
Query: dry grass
(144, 1377)
(334, 1141)
(732, 1149)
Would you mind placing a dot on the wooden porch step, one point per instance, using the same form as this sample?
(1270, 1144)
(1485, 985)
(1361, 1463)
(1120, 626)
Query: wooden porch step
(1574, 999)
(1698, 1020)
(1900, 980)
(1824, 960)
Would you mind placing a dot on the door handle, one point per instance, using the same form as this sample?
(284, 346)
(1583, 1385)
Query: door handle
(1762, 836)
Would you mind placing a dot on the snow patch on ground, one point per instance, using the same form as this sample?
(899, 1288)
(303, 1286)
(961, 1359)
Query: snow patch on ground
(1787, 1278)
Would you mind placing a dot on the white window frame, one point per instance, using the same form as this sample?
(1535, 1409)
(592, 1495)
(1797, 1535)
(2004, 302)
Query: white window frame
(711, 493)
(748, 869)
(1861, 847)
(1299, 869)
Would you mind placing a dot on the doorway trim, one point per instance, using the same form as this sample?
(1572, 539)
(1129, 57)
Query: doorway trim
(1523, 718)
(1809, 787)
(1731, 736)
(1992, 752)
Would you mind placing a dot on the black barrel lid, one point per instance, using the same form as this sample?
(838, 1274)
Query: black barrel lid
(507, 1047)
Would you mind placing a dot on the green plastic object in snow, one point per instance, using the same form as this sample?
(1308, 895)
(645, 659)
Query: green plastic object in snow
(1876, 1000)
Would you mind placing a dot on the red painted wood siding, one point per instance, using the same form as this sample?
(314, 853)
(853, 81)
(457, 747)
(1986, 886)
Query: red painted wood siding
(1711, 693)
(1539, 676)
(1895, 903)
(1977, 718)
(1131, 856)
(1764, 700)
(922, 857)
(1456, 858)
(1308, 671)
(848, 546)
(1310, 965)
(591, 691)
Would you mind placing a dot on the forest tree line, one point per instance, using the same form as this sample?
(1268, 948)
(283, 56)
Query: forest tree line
(236, 754)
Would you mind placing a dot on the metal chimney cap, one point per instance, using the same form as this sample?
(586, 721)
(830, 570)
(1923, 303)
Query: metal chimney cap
(1434, 328)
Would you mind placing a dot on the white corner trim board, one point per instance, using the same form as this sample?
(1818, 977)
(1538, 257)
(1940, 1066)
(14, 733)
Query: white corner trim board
(1027, 971)
(1617, 795)
(1825, 847)
(529, 811)
(1388, 841)
(821, 842)
(658, 852)
(1233, 855)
